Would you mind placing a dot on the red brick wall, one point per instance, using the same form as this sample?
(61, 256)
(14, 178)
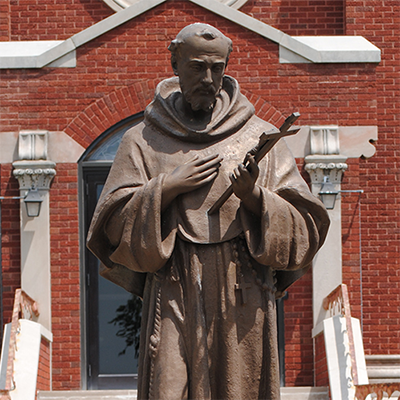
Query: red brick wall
(300, 17)
(298, 340)
(44, 373)
(115, 77)
(321, 366)
(11, 254)
(379, 177)
(353, 204)
(53, 19)
(65, 278)
(5, 19)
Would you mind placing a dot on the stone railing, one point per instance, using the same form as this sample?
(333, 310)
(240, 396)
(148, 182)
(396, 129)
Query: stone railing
(337, 302)
(26, 308)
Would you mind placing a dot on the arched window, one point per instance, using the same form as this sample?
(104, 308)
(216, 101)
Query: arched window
(110, 315)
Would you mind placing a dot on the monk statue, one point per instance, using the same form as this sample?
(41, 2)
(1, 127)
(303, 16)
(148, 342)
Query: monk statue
(208, 281)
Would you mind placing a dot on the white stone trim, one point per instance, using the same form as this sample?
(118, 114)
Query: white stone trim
(316, 49)
(287, 393)
(338, 357)
(383, 368)
(34, 173)
(328, 49)
(61, 147)
(35, 234)
(355, 141)
(32, 145)
(26, 360)
(34, 54)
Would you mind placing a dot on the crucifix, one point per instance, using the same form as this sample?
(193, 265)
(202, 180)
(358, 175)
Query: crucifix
(242, 286)
(266, 141)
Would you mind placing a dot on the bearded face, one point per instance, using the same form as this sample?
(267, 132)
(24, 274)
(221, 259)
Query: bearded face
(200, 97)
(201, 67)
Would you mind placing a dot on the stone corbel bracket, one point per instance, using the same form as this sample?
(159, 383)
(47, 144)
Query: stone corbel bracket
(34, 174)
(325, 159)
(332, 166)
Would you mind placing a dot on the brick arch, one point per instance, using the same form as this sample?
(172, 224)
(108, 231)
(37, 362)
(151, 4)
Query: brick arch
(129, 100)
(110, 109)
(264, 110)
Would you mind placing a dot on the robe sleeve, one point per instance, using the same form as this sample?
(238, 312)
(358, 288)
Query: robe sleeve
(128, 233)
(293, 222)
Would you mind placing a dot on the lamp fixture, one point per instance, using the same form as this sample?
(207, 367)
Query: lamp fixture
(33, 202)
(328, 193)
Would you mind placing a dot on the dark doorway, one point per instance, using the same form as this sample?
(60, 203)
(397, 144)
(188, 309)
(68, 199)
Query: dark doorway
(110, 357)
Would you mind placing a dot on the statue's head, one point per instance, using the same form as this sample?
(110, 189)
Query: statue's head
(199, 56)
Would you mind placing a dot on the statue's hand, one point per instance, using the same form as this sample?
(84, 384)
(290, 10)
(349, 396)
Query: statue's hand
(190, 176)
(244, 185)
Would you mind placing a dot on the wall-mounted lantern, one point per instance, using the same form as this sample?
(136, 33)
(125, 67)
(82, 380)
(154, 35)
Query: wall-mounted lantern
(328, 193)
(33, 202)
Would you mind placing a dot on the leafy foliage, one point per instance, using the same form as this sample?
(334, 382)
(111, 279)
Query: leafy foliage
(128, 320)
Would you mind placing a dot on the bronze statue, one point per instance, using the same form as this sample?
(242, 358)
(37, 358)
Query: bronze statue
(208, 281)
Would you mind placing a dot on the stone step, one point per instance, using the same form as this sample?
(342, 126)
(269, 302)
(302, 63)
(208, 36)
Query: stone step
(288, 393)
(88, 395)
(305, 393)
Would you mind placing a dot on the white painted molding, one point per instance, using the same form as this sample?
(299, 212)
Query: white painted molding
(316, 49)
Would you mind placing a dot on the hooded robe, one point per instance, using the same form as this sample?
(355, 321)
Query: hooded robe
(208, 282)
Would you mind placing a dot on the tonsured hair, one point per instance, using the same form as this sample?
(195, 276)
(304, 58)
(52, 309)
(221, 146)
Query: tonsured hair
(205, 31)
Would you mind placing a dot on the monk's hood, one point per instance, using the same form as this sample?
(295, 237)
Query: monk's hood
(231, 111)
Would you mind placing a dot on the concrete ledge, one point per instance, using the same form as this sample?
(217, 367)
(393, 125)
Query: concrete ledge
(287, 393)
(88, 395)
(27, 54)
(328, 49)
(305, 393)
(383, 368)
